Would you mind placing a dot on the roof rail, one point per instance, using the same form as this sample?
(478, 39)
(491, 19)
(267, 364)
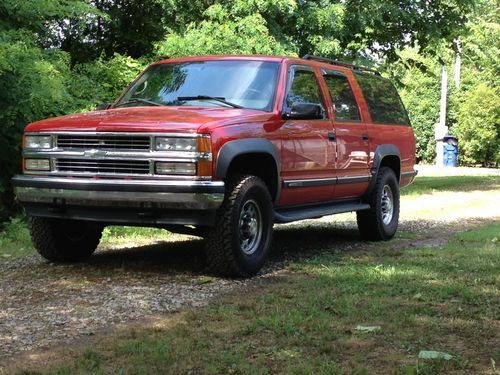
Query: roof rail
(339, 63)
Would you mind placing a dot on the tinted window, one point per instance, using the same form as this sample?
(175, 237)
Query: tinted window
(304, 89)
(344, 103)
(250, 84)
(383, 100)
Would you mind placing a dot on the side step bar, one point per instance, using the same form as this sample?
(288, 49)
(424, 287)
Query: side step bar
(287, 215)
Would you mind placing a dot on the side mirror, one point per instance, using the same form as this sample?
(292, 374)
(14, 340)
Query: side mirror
(304, 111)
(103, 106)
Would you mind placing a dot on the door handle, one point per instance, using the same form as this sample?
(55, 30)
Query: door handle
(365, 136)
(332, 137)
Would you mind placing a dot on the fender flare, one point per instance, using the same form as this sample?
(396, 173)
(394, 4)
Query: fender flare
(232, 149)
(380, 153)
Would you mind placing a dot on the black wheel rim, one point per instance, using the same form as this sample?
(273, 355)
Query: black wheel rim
(250, 227)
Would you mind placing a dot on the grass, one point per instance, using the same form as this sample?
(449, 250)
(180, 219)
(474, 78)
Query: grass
(427, 185)
(443, 298)
(117, 236)
(15, 240)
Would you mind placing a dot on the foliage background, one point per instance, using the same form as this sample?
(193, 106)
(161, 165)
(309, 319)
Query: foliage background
(64, 56)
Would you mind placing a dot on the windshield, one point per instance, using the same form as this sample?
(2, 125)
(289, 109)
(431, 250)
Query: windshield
(230, 83)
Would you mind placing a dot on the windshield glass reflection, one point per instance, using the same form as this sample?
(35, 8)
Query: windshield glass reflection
(246, 84)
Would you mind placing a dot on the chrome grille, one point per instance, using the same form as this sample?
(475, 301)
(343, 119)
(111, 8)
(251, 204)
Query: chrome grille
(124, 167)
(104, 142)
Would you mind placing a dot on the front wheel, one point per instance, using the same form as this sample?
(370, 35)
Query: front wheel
(240, 241)
(380, 222)
(64, 241)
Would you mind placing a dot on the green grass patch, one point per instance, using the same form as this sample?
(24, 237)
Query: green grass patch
(15, 239)
(122, 235)
(427, 185)
(443, 299)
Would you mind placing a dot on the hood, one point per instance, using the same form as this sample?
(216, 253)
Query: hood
(184, 119)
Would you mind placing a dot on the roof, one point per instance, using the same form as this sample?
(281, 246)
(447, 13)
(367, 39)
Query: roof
(309, 58)
(223, 57)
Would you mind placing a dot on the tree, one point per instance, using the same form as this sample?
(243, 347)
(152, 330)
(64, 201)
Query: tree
(127, 27)
(477, 115)
(220, 33)
(350, 29)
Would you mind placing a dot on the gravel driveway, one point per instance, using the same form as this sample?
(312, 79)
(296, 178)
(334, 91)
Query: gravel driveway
(42, 304)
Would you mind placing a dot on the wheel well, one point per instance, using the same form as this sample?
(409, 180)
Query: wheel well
(257, 164)
(393, 162)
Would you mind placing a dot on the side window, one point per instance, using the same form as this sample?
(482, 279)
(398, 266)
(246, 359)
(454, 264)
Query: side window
(344, 103)
(383, 100)
(304, 89)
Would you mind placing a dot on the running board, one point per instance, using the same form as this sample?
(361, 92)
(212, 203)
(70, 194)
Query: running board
(287, 215)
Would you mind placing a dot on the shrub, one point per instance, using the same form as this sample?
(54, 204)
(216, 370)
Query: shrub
(477, 127)
(102, 80)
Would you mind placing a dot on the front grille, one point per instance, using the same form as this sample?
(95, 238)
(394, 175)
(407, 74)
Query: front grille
(104, 142)
(124, 167)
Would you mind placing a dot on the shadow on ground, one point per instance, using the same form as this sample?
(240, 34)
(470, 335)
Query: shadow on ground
(188, 256)
(184, 256)
(290, 242)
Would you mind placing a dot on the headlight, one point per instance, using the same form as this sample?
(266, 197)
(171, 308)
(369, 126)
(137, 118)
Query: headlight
(38, 141)
(176, 144)
(175, 168)
(37, 164)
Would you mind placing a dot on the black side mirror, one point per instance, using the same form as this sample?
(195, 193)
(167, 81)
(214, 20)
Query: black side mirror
(103, 106)
(304, 111)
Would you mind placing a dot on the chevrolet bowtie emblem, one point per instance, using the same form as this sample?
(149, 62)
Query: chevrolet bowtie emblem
(95, 153)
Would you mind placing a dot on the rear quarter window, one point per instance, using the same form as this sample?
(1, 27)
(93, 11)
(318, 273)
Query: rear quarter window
(383, 100)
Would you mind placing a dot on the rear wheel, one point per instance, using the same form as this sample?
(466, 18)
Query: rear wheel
(61, 240)
(239, 243)
(380, 222)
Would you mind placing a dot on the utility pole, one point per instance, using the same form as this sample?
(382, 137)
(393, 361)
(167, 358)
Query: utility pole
(458, 61)
(440, 129)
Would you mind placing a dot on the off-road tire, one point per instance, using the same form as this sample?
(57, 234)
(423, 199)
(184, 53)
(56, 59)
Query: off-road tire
(371, 223)
(225, 253)
(64, 241)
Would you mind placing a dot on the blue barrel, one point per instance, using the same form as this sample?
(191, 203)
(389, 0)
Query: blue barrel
(450, 151)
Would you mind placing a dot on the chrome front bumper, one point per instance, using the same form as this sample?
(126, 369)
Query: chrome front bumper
(131, 193)
(113, 200)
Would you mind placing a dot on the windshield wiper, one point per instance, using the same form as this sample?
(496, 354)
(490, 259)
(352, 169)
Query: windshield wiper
(139, 100)
(206, 97)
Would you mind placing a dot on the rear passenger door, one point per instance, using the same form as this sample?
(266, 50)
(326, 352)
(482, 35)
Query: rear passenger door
(351, 136)
(389, 125)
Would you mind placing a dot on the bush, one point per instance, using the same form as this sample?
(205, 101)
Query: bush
(33, 84)
(421, 98)
(102, 80)
(477, 126)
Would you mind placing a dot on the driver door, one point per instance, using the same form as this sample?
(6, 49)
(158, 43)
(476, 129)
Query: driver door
(307, 154)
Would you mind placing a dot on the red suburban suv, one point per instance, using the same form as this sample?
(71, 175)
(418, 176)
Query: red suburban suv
(222, 147)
